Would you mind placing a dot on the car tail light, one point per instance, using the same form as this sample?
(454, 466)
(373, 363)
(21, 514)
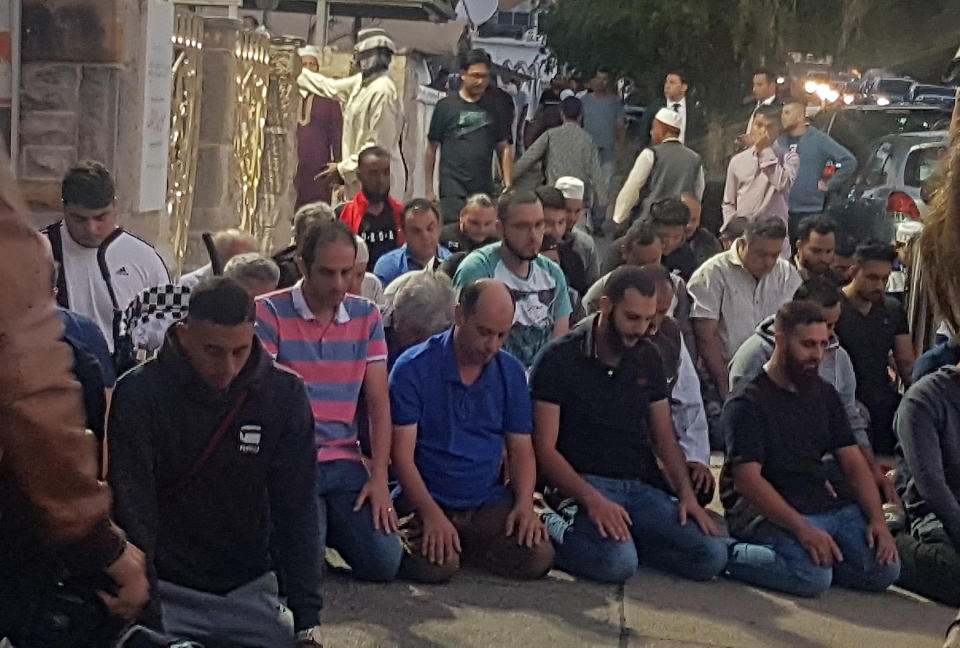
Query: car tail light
(829, 171)
(901, 203)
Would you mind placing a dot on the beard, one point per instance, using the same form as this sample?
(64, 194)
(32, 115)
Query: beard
(805, 376)
(376, 196)
(518, 253)
(616, 340)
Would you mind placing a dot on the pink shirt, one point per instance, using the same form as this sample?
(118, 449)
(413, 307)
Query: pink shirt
(759, 184)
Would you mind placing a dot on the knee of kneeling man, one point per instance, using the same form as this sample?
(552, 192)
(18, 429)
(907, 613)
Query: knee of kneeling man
(619, 564)
(882, 577)
(539, 562)
(714, 560)
(812, 580)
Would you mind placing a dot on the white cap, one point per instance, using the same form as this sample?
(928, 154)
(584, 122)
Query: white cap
(373, 38)
(363, 252)
(908, 230)
(669, 117)
(571, 188)
(567, 93)
(309, 50)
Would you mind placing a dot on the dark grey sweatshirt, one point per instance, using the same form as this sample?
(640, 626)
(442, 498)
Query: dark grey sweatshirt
(928, 426)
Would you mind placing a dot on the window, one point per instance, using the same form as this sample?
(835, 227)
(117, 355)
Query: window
(875, 173)
(922, 163)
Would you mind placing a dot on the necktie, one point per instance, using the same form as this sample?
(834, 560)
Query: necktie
(676, 107)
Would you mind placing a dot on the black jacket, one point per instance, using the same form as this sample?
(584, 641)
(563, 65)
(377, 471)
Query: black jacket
(214, 533)
(696, 125)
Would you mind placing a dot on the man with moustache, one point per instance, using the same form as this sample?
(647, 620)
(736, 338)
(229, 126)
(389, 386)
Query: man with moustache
(592, 446)
(537, 284)
(871, 327)
(816, 244)
(800, 534)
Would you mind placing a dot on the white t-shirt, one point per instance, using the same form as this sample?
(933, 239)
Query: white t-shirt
(132, 266)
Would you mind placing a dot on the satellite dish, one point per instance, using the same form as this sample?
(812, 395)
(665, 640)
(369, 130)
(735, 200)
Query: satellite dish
(476, 11)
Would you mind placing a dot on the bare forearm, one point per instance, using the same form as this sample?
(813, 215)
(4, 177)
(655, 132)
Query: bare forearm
(861, 482)
(381, 433)
(523, 469)
(561, 475)
(415, 491)
(769, 503)
(507, 162)
(710, 351)
(430, 164)
(674, 464)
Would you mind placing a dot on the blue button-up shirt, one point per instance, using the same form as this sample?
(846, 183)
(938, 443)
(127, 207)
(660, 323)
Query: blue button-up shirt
(399, 262)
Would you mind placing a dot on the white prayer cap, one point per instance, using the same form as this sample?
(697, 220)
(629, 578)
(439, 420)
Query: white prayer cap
(567, 93)
(309, 50)
(669, 117)
(373, 38)
(907, 230)
(571, 188)
(363, 252)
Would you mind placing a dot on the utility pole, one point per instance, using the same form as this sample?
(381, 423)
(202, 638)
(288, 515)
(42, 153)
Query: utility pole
(320, 28)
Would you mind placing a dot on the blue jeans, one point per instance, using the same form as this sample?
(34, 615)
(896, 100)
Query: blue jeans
(372, 555)
(658, 540)
(773, 557)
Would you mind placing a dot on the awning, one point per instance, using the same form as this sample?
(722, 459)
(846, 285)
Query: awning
(432, 10)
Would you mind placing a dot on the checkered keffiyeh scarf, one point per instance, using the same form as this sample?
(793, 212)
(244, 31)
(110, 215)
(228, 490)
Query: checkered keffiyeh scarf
(147, 318)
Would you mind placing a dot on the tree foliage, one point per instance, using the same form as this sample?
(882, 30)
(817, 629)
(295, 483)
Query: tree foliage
(717, 42)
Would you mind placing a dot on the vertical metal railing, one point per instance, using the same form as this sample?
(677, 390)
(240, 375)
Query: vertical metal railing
(253, 78)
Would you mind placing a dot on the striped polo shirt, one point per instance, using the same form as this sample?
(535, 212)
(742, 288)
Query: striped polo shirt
(332, 358)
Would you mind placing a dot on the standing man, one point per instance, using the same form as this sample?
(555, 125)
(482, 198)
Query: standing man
(372, 111)
(667, 170)
(212, 462)
(674, 98)
(759, 178)
(373, 214)
(736, 290)
(871, 327)
(764, 92)
(102, 267)
(816, 150)
(319, 138)
(421, 230)
(603, 118)
(466, 135)
(336, 342)
(536, 283)
(565, 151)
(601, 424)
(816, 240)
(477, 226)
(799, 534)
(458, 399)
(574, 190)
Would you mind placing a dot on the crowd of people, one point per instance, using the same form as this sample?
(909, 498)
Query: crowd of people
(467, 380)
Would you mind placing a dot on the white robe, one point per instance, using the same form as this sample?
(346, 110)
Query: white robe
(372, 116)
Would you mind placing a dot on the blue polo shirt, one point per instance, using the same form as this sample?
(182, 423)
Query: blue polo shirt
(399, 262)
(460, 429)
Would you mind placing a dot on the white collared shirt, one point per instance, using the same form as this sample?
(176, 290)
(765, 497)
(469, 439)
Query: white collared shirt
(303, 309)
(682, 111)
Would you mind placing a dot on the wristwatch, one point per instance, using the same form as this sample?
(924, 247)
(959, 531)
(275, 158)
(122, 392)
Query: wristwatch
(311, 636)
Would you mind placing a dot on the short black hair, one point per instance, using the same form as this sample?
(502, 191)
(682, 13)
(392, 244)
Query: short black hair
(475, 57)
(846, 246)
(418, 205)
(642, 233)
(222, 301)
(514, 197)
(452, 263)
(766, 227)
(735, 227)
(819, 224)
(819, 289)
(643, 280)
(372, 151)
(320, 233)
(571, 107)
(875, 251)
(767, 72)
(798, 313)
(551, 197)
(677, 73)
(670, 212)
(471, 293)
(90, 185)
(773, 113)
(661, 274)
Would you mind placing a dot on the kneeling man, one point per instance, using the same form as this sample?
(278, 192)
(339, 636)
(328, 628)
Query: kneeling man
(456, 400)
(805, 533)
(601, 423)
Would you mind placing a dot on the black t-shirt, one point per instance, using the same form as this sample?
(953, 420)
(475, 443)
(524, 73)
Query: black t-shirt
(681, 261)
(573, 269)
(456, 241)
(379, 232)
(500, 104)
(604, 412)
(468, 135)
(869, 339)
(788, 433)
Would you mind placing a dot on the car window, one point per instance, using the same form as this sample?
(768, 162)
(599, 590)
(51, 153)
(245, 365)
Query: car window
(894, 87)
(856, 129)
(921, 165)
(875, 172)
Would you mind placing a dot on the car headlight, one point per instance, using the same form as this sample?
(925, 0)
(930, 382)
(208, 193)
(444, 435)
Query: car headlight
(883, 101)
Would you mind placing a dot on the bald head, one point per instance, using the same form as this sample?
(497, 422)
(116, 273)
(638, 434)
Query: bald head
(484, 317)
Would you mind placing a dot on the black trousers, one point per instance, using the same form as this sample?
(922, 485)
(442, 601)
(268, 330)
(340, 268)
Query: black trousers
(931, 569)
